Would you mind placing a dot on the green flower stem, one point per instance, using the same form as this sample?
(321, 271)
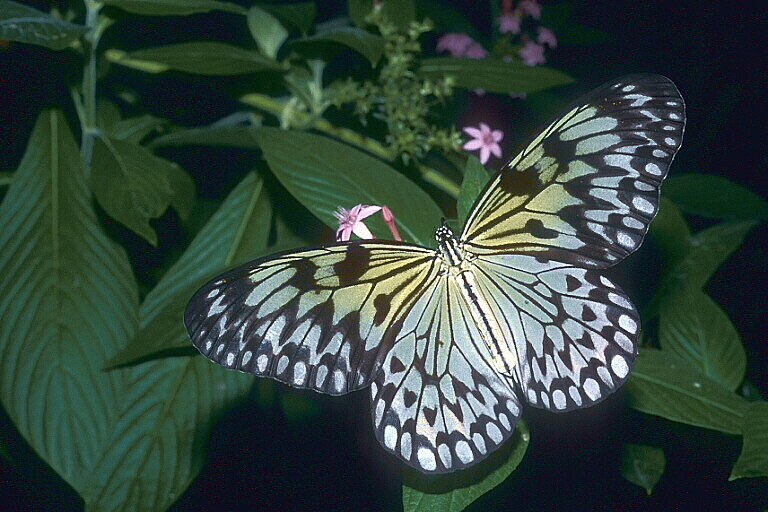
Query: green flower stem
(277, 108)
(440, 181)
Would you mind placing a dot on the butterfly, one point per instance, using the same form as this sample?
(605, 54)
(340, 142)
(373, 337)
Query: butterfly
(451, 341)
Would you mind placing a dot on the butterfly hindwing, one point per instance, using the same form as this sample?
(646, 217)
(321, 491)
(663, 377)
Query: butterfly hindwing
(438, 403)
(316, 319)
(574, 331)
(586, 189)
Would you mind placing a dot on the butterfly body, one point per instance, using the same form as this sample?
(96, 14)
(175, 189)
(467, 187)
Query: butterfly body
(452, 340)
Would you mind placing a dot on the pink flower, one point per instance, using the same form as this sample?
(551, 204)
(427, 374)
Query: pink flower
(475, 51)
(454, 43)
(532, 54)
(509, 23)
(484, 139)
(351, 221)
(547, 37)
(531, 8)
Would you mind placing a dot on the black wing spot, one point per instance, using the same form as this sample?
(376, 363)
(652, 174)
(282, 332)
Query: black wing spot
(382, 305)
(524, 182)
(539, 230)
(353, 266)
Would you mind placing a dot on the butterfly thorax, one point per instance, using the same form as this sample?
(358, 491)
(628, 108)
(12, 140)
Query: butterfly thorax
(457, 266)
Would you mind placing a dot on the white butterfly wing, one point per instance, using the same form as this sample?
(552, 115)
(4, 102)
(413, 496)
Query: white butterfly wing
(318, 318)
(438, 403)
(586, 189)
(573, 330)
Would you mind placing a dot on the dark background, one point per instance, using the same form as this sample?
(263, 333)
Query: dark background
(259, 460)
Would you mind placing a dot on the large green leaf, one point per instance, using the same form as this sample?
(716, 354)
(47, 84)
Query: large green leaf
(670, 230)
(698, 331)
(27, 25)
(705, 252)
(266, 30)
(133, 185)
(174, 7)
(203, 58)
(753, 461)
(664, 385)
(370, 46)
(237, 232)
(715, 196)
(69, 301)
(475, 178)
(493, 75)
(455, 492)
(324, 175)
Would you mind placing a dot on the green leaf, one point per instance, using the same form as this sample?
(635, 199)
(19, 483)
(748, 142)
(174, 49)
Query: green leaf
(664, 385)
(475, 178)
(366, 44)
(69, 300)
(300, 15)
(670, 230)
(715, 196)
(324, 175)
(358, 10)
(707, 250)
(455, 492)
(236, 233)
(174, 7)
(204, 58)
(230, 136)
(27, 25)
(134, 129)
(267, 31)
(133, 185)
(696, 330)
(643, 465)
(493, 75)
(753, 460)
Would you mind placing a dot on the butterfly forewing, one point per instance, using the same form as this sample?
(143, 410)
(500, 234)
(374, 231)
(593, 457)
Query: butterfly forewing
(586, 189)
(318, 318)
(450, 341)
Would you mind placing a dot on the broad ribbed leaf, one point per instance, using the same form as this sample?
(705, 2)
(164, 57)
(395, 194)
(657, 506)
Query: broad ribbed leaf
(366, 44)
(300, 15)
(174, 7)
(27, 25)
(68, 301)
(493, 75)
(133, 185)
(753, 461)
(664, 385)
(715, 196)
(475, 178)
(670, 231)
(203, 58)
(419, 490)
(643, 465)
(705, 252)
(266, 30)
(696, 330)
(236, 233)
(324, 175)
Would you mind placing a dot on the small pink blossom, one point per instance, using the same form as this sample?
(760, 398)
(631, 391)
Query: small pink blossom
(531, 8)
(454, 43)
(509, 24)
(532, 54)
(484, 139)
(475, 51)
(547, 37)
(389, 218)
(351, 221)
